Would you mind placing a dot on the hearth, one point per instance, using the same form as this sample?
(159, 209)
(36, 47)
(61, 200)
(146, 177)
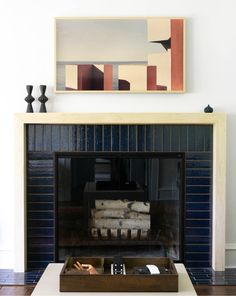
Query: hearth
(126, 203)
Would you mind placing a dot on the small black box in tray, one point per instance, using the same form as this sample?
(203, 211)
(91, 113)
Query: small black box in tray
(72, 279)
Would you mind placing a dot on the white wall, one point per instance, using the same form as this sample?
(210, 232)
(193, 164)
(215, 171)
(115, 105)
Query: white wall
(27, 57)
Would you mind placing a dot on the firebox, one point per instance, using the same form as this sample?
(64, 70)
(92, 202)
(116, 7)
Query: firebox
(119, 203)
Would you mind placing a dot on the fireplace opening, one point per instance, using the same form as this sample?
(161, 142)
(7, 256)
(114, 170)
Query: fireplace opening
(119, 203)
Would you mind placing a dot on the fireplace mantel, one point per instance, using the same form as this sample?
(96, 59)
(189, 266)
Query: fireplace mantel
(217, 120)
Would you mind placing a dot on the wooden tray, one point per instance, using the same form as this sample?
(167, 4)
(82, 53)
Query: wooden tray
(72, 281)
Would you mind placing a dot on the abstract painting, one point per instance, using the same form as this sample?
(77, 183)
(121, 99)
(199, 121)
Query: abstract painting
(120, 54)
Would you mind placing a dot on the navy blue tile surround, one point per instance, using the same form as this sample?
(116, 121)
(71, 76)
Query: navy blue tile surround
(194, 140)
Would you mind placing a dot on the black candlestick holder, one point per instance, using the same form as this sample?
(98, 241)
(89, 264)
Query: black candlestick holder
(29, 99)
(43, 99)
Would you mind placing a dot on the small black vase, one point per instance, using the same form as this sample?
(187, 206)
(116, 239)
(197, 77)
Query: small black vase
(43, 99)
(29, 99)
(208, 109)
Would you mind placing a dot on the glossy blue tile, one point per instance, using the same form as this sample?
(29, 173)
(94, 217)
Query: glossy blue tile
(198, 248)
(41, 241)
(198, 189)
(198, 206)
(198, 215)
(31, 137)
(40, 181)
(197, 240)
(183, 138)
(198, 156)
(64, 134)
(55, 141)
(38, 206)
(198, 198)
(197, 223)
(40, 189)
(38, 137)
(107, 138)
(200, 138)
(198, 172)
(132, 138)
(124, 138)
(175, 138)
(40, 197)
(208, 138)
(197, 231)
(41, 249)
(115, 138)
(198, 181)
(40, 223)
(40, 215)
(98, 138)
(149, 137)
(90, 137)
(38, 264)
(44, 231)
(189, 263)
(41, 257)
(166, 138)
(198, 164)
(197, 257)
(81, 137)
(158, 138)
(141, 138)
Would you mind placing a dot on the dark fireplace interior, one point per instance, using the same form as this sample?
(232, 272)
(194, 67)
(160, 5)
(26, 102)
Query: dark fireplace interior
(119, 203)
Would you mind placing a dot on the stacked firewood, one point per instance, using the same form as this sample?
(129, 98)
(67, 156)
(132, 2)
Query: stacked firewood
(120, 219)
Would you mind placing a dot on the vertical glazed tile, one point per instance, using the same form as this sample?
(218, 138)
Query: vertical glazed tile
(167, 138)
(158, 138)
(175, 138)
(191, 137)
(149, 137)
(132, 138)
(72, 138)
(31, 137)
(81, 137)
(208, 138)
(115, 137)
(38, 137)
(55, 137)
(107, 138)
(64, 138)
(141, 139)
(200, 138)
(47, 138)
(124, 138)
(98, 137)
(90, 138)
(183, 138)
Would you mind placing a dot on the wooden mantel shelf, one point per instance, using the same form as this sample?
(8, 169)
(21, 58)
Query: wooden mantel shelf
(217, 120)
(121, 118)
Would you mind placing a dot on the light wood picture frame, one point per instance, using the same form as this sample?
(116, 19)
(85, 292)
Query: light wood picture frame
(131, 55)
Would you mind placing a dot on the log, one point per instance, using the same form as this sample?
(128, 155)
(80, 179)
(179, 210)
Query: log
(120, 223)
(137, 206)
(120, 213)
(144, 234)
(134, 233)
(114, 233)
(124, 233)
(104, 232)
(94, 232)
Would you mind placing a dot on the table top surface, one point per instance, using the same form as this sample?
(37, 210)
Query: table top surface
(48, 285)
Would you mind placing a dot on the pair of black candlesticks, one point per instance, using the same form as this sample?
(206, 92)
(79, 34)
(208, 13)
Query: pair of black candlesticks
(42, 99)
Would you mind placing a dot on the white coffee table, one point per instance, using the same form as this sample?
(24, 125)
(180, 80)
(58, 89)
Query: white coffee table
(48, 285)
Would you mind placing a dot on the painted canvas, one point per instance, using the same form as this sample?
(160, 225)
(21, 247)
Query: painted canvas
(120, 54)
